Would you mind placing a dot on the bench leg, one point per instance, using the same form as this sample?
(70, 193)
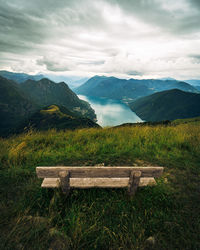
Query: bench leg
(134, 182)
(64, 181)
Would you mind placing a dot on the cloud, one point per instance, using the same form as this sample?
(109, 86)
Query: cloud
(144, 38)
(134, 73)
(53, 64)
(195, 58)
(181, 16)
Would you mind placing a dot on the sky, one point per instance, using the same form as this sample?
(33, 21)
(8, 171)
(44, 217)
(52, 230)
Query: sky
(122, 38)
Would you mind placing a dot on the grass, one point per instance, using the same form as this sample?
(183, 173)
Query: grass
(35, 218)
(188, 120)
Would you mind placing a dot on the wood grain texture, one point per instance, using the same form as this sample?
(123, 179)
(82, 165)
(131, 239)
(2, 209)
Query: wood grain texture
(134, 181)
(95, 172)
(64, 181)
(51, 183)
(96, 182)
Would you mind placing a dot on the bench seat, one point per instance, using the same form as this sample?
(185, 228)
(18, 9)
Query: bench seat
(96, 182)
(68, 177)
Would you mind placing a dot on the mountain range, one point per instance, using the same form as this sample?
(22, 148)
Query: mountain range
(194, 82)
(72, 81)
(34, 101)
(18, 102)
(167, 105)
(46, 92)
(128, 90)
(19, 77)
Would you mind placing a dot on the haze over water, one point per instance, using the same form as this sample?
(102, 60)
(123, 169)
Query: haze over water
(110, 112)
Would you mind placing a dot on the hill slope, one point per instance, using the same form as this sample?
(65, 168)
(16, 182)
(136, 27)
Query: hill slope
(46, 92)
(167, 105)
(34, 218)
(114, 88)
(58, 118)
(14, 106)
(193, 82)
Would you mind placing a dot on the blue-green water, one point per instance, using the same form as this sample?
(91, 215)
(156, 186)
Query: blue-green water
(110, 112)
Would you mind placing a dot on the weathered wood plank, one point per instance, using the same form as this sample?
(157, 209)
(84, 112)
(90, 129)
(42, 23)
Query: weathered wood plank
(94, 172)
(51, 183)
(134, 181)
(147, 182)
(96, 182)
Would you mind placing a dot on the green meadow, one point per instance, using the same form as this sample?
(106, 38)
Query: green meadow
(35, 218)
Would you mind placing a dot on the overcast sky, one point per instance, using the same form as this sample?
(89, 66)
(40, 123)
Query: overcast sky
(124, 38)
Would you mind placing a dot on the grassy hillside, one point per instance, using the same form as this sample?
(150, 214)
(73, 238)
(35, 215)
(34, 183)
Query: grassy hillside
(34, 218)
(195, 120)
(167, 105)
(55, 117)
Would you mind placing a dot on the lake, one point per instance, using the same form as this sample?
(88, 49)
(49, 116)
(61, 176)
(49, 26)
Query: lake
(110, 112)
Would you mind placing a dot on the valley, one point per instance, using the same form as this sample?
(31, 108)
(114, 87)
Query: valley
(111, 112)
(109, 101)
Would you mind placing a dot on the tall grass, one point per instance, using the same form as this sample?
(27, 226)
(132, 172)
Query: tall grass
(32, 218)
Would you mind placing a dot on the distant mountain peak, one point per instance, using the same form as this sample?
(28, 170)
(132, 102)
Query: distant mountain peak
(122, 89)
(167, 79)
(19, 77)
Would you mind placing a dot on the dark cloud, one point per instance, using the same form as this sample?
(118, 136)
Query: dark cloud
(53, 64)
(93, 62)
(180, 16)
(15, 26)
(195, 3)
(196, 58)
(134, 73)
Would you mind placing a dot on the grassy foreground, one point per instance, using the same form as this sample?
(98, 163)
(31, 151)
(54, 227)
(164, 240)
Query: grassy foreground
(34, 218)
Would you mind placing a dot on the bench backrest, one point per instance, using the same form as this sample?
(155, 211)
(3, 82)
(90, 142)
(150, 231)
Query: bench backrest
(97, 172)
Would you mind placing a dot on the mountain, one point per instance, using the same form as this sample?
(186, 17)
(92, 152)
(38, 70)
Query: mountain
(113, 88)
(198, 88)
(57, 117)
(167, 105)
(193, 82)
(127, 90)
(167, 78)
(46, 92)
(14, 106)
(72, 81)
(77, 83)
(19, 77)
(21, 102)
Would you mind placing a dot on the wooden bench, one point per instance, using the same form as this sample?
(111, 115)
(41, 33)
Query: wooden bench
(68, 177)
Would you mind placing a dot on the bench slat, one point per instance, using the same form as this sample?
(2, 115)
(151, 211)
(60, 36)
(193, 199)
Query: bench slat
(96, 182)
(95, 172)
(51, 183)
